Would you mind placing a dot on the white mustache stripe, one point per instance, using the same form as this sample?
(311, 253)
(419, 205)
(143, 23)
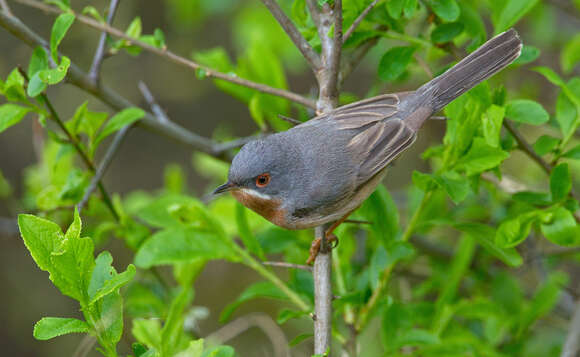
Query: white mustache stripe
(255, 193)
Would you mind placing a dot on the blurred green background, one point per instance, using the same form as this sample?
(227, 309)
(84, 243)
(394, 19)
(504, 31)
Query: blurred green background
(198, 105)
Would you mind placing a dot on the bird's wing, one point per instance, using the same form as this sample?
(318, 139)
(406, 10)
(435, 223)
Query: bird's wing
(379, 133)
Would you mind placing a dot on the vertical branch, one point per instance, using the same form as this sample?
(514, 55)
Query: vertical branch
(95, 70)
(322, 295)
(572, 345)
(4, 6)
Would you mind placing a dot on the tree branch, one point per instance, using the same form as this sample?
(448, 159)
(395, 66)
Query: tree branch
(150, 99)
(322, 273)
(94, 72)
(335, 53)
(80, 79)
(288, 265)
(4, 6)
(299, 41)
(572, 345)
(164, 53)
(104, 165)
(358, 20)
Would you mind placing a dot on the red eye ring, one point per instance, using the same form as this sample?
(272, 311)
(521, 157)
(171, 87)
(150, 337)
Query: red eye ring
(263, 180)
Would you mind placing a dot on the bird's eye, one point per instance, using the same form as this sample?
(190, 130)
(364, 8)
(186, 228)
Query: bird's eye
(263, 180)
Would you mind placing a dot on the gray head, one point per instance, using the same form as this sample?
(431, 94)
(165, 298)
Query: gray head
(264, 168)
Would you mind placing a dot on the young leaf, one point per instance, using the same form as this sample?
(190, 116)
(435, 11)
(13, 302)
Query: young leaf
(545, 144)
(561, 228)
(55, 75)
(181, 245)
(481, 157)
(570, 54)
(483, 234)
(511, 12)
(123, 118)
(573, 153)
(247, 236)
(527, 111)
(50, 327)
(395, 8)
(105, 279)
(565, 114)
(394, 62)
(560, 182)
(446, 10)
(195, 349)
(258, 290)
(11, 114)
(446, 32)
(514, 231)
(35, 86)
(134, 29)
(59, 30)
(38, 61)
(492, 122)
(550, 75)
(529, 54)
(381, 210)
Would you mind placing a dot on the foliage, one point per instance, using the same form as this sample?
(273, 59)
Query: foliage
(464, 298)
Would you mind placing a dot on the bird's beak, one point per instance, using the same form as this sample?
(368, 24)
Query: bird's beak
(224, 188)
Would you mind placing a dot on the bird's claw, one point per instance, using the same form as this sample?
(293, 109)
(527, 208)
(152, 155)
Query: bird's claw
(315, 246)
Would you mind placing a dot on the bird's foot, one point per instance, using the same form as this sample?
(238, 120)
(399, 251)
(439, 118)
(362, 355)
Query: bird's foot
(315, 246)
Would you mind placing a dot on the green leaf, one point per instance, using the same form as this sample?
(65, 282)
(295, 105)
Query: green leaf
(527, 111)
(104, 278)
(546, 144)
(175, 245)
(11, 114)
(135, 28)
(566, 113)
(55, 75)
(247, 236)
(50, 327)
(492, 123)
(61, 25)
(512, 12)
(110, 319)
(529, 54)
(14, 87)
(35, 86)
(147, 332)
(458, 267)
(395, 8)
(92, 11)
(381, 210)
(560, 182)
(561, 228)
(195, 349)
(573, 153)
(514, 231)
(570, 55)
(481, 157)
(38, 61)
(484, 234)
(446, 32)
(550, 75)
(219, 351)
(394, 62)
(125, 117)
(68, 259)
(544, 300)
(446, 10)
(263, 289)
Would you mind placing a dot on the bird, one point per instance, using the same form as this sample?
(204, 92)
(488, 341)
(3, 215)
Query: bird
(318, 172)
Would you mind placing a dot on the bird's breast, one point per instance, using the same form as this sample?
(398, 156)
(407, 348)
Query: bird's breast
(265, 206)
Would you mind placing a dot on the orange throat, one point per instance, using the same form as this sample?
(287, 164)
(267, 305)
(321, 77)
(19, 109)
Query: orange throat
(267, 208)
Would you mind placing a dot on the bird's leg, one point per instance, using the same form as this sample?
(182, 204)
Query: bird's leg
(330, 238)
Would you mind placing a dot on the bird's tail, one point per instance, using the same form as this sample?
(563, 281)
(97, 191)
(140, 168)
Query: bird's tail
(487, 60)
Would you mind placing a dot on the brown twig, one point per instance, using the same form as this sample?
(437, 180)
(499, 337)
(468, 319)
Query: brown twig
(104, 165)
(259, 320)
(289, 120)
(76, 144)
(299, 41)
(80, 79)
(150, 99)
(165, 53)
(358, 20)
(94, 72)
(289, 265)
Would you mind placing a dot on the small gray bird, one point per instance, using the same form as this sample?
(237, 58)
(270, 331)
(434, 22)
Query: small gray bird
(320, 171)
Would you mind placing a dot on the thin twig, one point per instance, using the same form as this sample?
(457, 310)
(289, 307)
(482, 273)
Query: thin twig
(314, 12)
(289, 120)
(572, 345)
(76, 144)
(165, 53)
(150, 99)
(80, 79)
(4, 6)
(299, 41)
(358, 20)
(289, 265)
(259, 320)
(322, 273)
(94, 72)
(104, 165)
(423, 65)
